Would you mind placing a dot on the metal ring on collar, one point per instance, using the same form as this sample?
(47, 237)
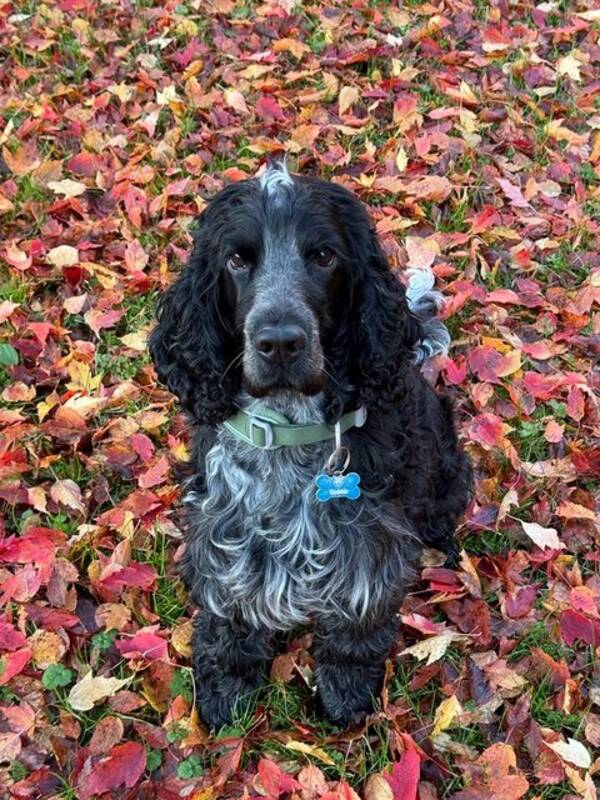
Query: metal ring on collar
(333, 460)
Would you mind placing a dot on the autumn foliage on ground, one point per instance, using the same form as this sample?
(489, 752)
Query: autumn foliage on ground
(472, 131)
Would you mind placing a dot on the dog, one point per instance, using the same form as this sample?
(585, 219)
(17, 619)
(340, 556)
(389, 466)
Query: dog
(287, 320)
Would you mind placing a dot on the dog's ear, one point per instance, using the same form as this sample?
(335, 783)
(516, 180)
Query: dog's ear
(192, 344)
(385, 330)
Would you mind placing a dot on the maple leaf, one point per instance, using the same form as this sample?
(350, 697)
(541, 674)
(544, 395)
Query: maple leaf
(123, 766)
(12, 664)
(273, 780)
(145, 645)
(404, 777)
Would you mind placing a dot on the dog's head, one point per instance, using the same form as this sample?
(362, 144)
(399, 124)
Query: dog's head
(286, 289)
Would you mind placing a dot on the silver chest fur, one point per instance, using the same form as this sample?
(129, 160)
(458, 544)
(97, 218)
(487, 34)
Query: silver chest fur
(266, 550)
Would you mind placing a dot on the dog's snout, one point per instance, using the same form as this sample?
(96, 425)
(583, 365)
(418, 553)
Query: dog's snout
(280, 343)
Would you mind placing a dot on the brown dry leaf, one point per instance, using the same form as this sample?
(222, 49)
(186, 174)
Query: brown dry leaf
(67, 493)
(107, 733)
(433, 188)
(421, 252)
(113, 616)
(377, 788)
(48, 648)
(347, 97)
(181, 638)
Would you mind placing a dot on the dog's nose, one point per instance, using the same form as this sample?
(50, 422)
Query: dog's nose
(280, 343)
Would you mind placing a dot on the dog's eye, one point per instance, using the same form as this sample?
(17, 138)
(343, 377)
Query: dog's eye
(325, 257)
(236, 261)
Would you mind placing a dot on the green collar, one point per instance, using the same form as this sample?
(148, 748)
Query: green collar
(268, 429)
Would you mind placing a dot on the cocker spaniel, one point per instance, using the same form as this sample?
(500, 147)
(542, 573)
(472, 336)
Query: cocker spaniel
(287, 320)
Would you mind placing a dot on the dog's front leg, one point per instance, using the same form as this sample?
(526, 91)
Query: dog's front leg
(230, 661)
(350, 665)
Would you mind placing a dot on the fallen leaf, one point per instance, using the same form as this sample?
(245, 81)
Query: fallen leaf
(570, 66)
(572, 751)
(310, 750)
(542, 537)
(445, 714)
(63, 256)
(67, 187)
(122, 766)
(434, 647)
(89, 690)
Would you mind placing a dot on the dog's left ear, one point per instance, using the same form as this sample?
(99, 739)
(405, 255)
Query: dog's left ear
(386, 332)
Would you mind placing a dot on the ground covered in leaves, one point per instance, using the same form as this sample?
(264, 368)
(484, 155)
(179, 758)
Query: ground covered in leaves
(472, 130)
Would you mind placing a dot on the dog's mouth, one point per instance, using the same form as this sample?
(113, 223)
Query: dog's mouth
(304, 374)
(308, 386)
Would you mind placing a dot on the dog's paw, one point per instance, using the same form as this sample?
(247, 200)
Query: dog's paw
(347, 693)
(221, 700)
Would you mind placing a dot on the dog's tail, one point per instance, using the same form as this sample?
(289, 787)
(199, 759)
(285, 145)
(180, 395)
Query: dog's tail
(424, 302)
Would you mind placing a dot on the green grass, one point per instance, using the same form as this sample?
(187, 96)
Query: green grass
(542, 697)
(168, 599)
(486, 541)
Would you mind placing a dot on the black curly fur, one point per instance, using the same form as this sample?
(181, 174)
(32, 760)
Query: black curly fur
(407, 453)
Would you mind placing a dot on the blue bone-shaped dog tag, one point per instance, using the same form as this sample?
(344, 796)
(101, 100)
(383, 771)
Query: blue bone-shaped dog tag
(332, 487)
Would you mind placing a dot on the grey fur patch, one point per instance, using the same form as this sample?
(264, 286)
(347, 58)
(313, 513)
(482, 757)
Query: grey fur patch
(265, 549)
(276, 179)
(424, 302)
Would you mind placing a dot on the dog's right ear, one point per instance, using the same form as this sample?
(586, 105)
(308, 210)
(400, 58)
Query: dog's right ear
(192, 343)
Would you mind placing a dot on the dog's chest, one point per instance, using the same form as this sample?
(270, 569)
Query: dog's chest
(271, 544)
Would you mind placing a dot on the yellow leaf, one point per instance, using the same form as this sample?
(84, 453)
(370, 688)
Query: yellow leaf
(235, 100)
(89, 690)
(121, 90)
(595, 154)
(48, 648)
(467, 94)
(169, 95)
(510, 363)
(67, 187)
(434, 647)
(401, 159)
(181, 638)
(187, 27)
(445, 714)
(377, 788)
(63, 256)
(310, 750)
(348, 96)
(36, 497)
(569, 65)
(293, 46)
(112, 615)
(136, 341)
(46, 406)
(81, 377)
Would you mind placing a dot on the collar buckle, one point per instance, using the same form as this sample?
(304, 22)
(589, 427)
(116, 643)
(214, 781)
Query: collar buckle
(255, 423)
(360, 416)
